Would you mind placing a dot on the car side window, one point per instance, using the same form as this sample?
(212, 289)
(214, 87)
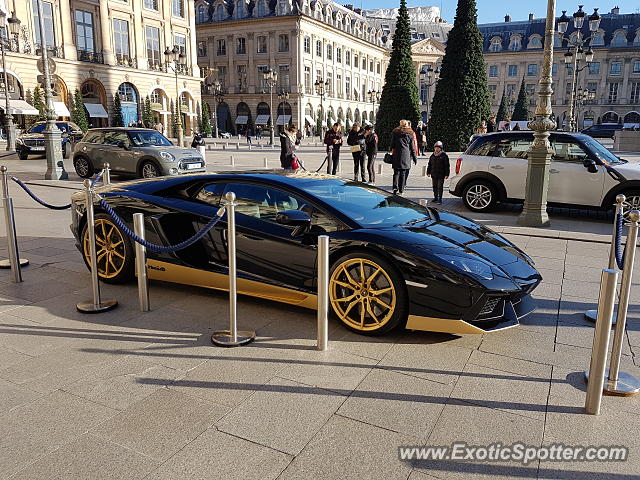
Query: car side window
(93, 137)
(513, 148)
(567, 151)
(37, 128)
(210, 193)
(484, 149)
(113, 138)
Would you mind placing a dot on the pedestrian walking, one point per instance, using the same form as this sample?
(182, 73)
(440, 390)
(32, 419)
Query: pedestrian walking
(247, 134)
(355, 140)
(491, 125)
(288, 159)
(371, 150)
(438, 170)
(482, 128)
(333, 141)
(404, 150)
(198, 140)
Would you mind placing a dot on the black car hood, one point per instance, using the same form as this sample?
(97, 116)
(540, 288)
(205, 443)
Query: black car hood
(32, 135)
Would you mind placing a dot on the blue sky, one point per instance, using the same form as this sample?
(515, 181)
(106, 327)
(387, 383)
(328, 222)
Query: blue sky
(495, 10)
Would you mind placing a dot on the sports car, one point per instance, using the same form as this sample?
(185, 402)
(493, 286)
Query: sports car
(393, 262)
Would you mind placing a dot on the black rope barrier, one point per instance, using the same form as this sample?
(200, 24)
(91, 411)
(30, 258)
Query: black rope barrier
(41, 202)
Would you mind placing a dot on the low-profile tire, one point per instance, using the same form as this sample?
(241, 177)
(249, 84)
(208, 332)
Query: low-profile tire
(149, 170)
(114, 251)
(367, 293)
(480, 195)
(83, 167)
(22, 155)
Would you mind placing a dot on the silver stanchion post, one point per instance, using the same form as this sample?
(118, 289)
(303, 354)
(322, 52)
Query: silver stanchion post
(591, 315)
(14, 262)
(106, 174)
(141, 263)
(595, 376)
(323, 293)
(96, 305)
(232, 337)
(621, 383)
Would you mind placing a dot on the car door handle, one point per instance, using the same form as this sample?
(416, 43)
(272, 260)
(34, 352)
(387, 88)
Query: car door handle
(553, 170)
(497, 167)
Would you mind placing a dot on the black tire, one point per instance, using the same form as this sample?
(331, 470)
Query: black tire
(632, 202)
(120, 270)
(22, 155)
(83, 166)
(65, 150)
(149, 169)
(348, 298)
(480, 195)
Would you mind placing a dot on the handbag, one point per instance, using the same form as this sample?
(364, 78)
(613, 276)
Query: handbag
(355, 148)
(388, 158)
(295, 164)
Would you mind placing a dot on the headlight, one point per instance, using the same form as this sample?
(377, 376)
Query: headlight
(167, 156)
(467, 265)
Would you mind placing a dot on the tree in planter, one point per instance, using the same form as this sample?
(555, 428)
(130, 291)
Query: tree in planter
(174, 120)
(147, 113)
(399, 99)
(502, 114)
(29, 119)
(461, 99)
(78, 112)
(319, 124)
(341, 117)
(206, 120)
(38, 103)
(199, 117)
(520, 110)
(117, 112)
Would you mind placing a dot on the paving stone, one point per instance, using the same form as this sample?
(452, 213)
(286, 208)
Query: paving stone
(33, 430)
(554, 253)
(547, 290)
(89, 457)
(12, 395)
(360, 345)
(581, 273)
(551, 276)
(582, 336)
(215, 454)
(345, 448)
(543, 319)
(572, 310)
(397, 402)
(8, 356)
(27, 337)
(416, 475)
(161, 424)
(520, 343)
(581, 289)
(585, 260)
(36, 291)
(548, 263)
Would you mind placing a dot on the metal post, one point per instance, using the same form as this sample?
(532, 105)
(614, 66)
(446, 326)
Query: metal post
(11, 129)
(96, 305)
(380, 167)
(620, 383)
(595, 376)
(323, 293)
(591, 315)
(233, 162)
(14, 262)
(141, 263)
(179, 107)
(106, 174)
(266, 162)
(574, 78)
(232, 337)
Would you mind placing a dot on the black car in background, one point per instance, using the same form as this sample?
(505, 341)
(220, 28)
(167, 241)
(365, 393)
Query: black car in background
(31, 142)
(604, 130)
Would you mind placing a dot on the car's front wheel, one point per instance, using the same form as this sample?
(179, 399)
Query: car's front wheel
(367, 293)
(479, 196)
(149, 170)
(83, 167)
(632, 202)
(113, 248)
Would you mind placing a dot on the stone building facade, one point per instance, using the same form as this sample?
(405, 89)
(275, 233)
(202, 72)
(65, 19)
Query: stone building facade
(104, 48)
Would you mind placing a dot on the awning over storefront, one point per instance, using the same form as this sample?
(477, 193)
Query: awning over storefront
(61, 109)
(283, 119)
(190, 114)
(161, 112)
(262, 119)
(242, 119)
(18, 107)
(309, 119)
(96, 110)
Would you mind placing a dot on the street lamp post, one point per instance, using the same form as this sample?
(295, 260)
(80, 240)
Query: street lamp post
(321, 86)
(174, 57)
(270, 80)
(14, 27)
(283, 97)
(534, 213)
(431, 75)
(583, 97)
(374, 97)
(215, 88)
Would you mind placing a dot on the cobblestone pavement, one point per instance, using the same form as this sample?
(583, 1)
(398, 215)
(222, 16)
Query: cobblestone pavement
(128, 395)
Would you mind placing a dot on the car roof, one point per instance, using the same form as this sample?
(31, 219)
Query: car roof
(124, 129)
(528, 133)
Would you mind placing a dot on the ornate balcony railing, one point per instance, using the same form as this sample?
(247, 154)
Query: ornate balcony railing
(91, 57)
(52, 51)
(156, 65)
(126, 61)
(184, 69)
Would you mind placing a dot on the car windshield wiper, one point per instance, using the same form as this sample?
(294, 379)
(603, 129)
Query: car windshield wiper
(417, 220)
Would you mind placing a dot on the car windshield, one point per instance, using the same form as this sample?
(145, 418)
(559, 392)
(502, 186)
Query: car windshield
(369, 206)
(600, 151)
(149, 138)
(39, 128)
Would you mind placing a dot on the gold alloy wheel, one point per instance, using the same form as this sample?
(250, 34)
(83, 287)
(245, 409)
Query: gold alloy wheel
(362, 294)
(110, 248)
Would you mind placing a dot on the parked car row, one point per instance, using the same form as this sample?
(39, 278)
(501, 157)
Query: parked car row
(32, 141)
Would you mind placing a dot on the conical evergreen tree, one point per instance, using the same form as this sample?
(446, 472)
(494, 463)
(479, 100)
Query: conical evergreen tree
(399, 99)
(117, 112)
(78, 112)
(38, 103)
(206, 120)
(501, 116)
(520, 110)
(461, 99)
(147, 115)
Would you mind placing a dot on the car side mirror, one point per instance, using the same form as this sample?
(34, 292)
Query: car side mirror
(294, 218)
(590, 165)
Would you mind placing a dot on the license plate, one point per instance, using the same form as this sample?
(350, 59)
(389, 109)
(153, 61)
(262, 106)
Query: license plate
(191, 166)
(37, 149)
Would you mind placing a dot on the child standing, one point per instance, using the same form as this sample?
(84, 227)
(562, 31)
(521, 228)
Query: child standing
(438, 170)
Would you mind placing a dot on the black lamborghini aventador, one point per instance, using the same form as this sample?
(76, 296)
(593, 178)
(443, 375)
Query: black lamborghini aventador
(393, 262)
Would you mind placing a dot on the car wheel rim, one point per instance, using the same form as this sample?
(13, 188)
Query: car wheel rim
(631, 203)
(111, 254)
(82, 167)
(149, 171)
(362, 294)
(479, 196)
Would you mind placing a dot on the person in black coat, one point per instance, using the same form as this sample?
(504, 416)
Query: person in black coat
(333, 141)
(287, 147)
(355, 140)
(438, 169)
(198, 140)
(404, 149)
(371, 149)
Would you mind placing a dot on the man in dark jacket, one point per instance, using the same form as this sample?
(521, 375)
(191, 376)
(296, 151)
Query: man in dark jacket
(438, 170)
(333, 141)
(404, 148)
(371, 149)
(355, 140)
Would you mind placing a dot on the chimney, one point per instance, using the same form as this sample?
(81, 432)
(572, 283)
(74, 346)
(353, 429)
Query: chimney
(615, 10)
(507, 18)
(349, 6)
(531, 17)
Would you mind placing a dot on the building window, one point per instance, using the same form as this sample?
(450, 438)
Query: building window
(535, 41)
(371, 66)
(339, 86)
(495, 45)
(222, 77)
(515, 43)
(283, 78)
(241, 71)
(318, 48)
(347, 57)
(241, 46)
(338, 55)
(153, 45)
(84, 31)
(532, 69)
(263, 8)
(180, 41)
(493, 71)
(202, 49)
(594, 68)
(329, 81)
(613, 92)
(355, 60)
(307, 45)
(636, 66)
(513, 71)
(492, 93)
(615, 68)
(530, 88)
(262, 84)
(377, 68)
(329, 52)
(202, 14)
(619, 39)
(554, 69)
(308, 84)
(121, 38)
(347, 87)
(283, 42)
(597, 39)
(49, 29)
(126, 92)
(240, 9)
(221, 13)
(222, 47)
(635, 93)
(151, 4)
(364, 63)
(557, 40)
(177, 8)
(262, 44)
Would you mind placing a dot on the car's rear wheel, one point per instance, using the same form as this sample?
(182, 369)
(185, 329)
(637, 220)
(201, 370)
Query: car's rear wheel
(113, 248)
(149, 170)
(367, 294)
(632, 202)
(83, 167)
(479, 196)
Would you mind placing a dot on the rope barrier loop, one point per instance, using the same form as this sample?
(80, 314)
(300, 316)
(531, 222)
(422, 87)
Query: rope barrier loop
(41, 202)
(619, 253)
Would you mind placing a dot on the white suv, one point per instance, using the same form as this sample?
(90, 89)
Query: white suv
(582, 172)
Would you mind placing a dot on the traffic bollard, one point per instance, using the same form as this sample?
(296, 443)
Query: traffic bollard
(232, 161)
(203, 151)
(595, 376)
(14, 262)
(424, 170)
(380, 168)
(266, 162)
(141, 263)
(621, 383)
(97, 305)
(232, 337)
(323, 293)
(590, 315)
(237, 146)
(106, 174)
